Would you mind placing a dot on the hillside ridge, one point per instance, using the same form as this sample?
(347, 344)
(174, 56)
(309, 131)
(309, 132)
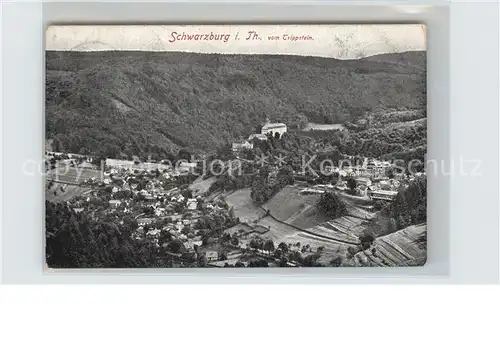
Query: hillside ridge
(137, 103)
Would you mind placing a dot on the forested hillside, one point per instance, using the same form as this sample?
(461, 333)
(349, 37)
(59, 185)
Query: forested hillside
(143, 103)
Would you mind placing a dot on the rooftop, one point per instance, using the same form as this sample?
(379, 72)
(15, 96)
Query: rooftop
(385, 192)
(274, 125)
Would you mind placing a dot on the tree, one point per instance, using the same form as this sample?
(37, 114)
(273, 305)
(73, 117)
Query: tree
(285, 176)
(393, 225)
(185, 230)
(295, 256)
(99, 161)
(336, 261)
(202, 261)
(187, 193)
(269, 246)
(235, 241)
(259, 263)
(311, 260)
(130, 222)
(351, 251)
(283, 247)
(256, 244)
(401, 222)
(390, 173)
(222, 256)
(278, 253)
(367, 239)
(331, 205)
(351, 184)
(184, 155)
(175, 246)
(80, 241)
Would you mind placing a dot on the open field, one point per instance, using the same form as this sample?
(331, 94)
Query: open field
(243, 206)
(295, 209)
(405, 247)
(292, 207)
(282, 232)
(127, 164)
(60, 192)
(72, 175)
(319, 126)
(200, 186)
(300, 210)
(335, 236)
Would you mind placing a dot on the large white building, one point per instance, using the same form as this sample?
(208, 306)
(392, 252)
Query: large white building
(274, 128)
(383, 195)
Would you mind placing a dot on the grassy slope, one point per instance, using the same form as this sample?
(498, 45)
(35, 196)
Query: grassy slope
(141, 102)
(290, 206)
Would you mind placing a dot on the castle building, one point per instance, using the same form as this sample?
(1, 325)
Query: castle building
(274, 128)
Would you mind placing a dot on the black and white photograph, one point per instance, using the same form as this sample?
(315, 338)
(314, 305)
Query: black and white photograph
(222, 146)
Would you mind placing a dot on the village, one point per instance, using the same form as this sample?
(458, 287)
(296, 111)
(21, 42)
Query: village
(371, 178)
(172, 207)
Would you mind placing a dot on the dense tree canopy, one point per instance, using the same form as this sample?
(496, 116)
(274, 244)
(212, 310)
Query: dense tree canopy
(120, 104)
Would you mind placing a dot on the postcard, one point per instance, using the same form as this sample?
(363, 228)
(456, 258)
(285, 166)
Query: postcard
(235, 146)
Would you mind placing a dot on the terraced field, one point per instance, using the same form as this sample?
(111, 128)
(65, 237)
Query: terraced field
(72, 175)
(345, 228)
(335, 236)
(300, 210)
(406, 247)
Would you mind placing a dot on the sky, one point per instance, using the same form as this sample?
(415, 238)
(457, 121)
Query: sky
(337, 41)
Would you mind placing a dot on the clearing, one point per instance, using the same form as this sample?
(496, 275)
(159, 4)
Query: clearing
(290, 206)
(200, 186)
(63, 192)
(243, 206)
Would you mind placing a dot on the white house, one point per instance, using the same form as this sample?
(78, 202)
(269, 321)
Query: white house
(192, 204)
(153, 232)
(242, 146)
(187, 166)
(384, 195)
(363, 181)
(115, 203)
(211, 255)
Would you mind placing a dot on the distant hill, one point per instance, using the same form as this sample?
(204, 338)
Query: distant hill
(159, 102)
(415, 59)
